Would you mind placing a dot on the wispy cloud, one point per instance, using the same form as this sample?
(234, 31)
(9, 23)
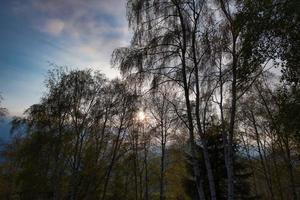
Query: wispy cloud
(90, 29)
(53, 27)
(73, 33)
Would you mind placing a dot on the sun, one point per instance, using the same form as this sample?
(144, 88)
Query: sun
(141, 116)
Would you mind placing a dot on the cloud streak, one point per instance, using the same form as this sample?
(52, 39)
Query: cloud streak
(54, 27)
(73, 33)
(90, 29)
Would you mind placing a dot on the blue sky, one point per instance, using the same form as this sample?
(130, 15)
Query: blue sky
(74, 33)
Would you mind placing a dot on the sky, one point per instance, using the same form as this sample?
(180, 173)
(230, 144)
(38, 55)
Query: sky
(37, 34)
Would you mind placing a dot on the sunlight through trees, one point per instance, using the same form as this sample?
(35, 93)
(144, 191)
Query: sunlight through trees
(199, 111)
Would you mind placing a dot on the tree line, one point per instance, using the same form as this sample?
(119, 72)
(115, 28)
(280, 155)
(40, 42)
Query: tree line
(207, 107)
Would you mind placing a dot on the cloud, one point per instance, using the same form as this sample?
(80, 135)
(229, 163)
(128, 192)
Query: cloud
(53, 26)
(88, 50)
(77, 17)
(73, 33)
(88, 29)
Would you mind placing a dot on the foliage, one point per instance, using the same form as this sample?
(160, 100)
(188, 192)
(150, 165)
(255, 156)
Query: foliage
(196, 114)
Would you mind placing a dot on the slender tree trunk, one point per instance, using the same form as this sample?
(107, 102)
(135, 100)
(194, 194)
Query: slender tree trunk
(146, 165)
(290, 169)
(285, 149)
(57, 167)
(251, 165)
(278, 180)
(136, 165)
(76, 164)
(266, 172)
(223, 125)
(146, 176)
(229, 158)
(126, 185)
(227, 140)
(227, 136)
(141, 183)
(199, 181)
(196, 169)
(207, 161)
(112, 162)
(162, 164)
(135, 172)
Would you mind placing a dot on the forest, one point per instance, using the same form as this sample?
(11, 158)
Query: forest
(207, 106)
